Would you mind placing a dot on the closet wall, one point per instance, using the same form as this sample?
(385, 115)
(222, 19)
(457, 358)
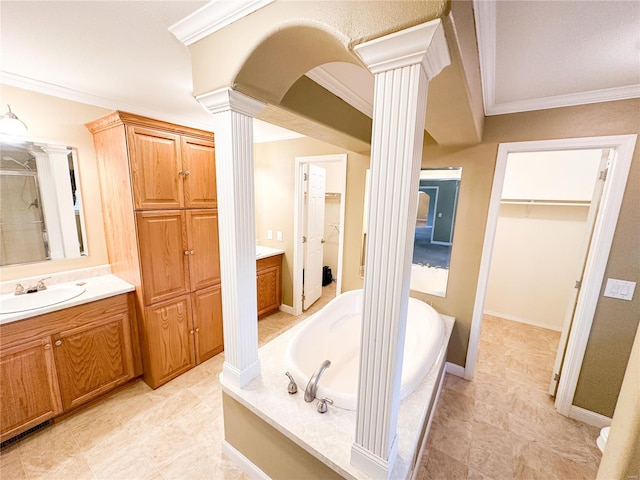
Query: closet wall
(541, 228)
(333, 189)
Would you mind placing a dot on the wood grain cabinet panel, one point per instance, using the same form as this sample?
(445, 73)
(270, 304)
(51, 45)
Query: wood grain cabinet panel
(204, 248)
(164, 256)
(168, 340)
(156, 168)
(93, 359)
(199, 166)
(269, 287)
(207, 321)
(28, 387)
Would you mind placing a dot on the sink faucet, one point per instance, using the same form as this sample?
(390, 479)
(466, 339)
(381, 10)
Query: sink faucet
(312, 386)
(39, 286)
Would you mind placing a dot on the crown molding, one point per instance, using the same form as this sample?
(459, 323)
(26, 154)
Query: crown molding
(323, 78)
(212, 17)
(569, 100)
(423, 44)
(485, 18)
(59, 91)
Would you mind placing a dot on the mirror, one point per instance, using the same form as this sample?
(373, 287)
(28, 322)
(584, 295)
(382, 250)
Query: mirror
(435, 222)
(41, 216)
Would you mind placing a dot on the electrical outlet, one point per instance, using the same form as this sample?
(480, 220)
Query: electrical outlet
(269, 234)
(621, 289)
(279, 236)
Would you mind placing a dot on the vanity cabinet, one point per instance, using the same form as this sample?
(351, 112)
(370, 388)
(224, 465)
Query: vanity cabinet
(162, 236)
(268, 285)
(29, 392)
(53, 363)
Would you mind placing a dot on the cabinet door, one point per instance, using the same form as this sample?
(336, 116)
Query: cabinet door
(164, 258)
(168, 346)
(268, 285)
(28, 387)
(156, 169)
(204, 250)
(207, 320)
(199, 164)
(93, 358)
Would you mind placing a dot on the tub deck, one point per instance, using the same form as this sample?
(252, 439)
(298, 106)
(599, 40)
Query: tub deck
(329, 437)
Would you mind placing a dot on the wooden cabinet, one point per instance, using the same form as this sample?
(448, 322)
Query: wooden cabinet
(29, 391)
(53, 363)
(269, 289)
(162, 235)
(93, 358)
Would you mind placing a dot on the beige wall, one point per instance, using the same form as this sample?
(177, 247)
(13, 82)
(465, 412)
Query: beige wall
(274, 180)
(615, 321)
(535, 263)
(58, 121)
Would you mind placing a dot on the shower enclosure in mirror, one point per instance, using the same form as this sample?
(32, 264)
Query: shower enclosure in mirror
(435, 222)
(41, 216)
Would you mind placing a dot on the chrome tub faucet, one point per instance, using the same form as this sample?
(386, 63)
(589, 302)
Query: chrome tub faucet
(312, 386)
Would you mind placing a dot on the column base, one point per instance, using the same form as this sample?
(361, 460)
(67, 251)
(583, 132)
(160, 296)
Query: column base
(372, 465)
(239, 378)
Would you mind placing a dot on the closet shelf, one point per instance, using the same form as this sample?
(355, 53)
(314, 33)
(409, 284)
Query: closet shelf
(578, 203)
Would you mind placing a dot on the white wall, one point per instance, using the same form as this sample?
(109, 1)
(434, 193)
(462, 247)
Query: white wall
(535, 261)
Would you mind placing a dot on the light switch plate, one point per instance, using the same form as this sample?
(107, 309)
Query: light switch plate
(279, 236)
(621, 289)
(269, 234)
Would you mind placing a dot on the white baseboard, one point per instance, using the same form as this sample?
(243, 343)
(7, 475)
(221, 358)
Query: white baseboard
(286, 309)
(589, 417)
(513, 318)
(454, 369)
(246, 465)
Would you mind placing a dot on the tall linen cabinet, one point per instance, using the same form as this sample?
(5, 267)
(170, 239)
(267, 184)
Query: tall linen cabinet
(158, 186)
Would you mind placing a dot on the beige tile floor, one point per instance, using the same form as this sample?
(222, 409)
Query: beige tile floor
(501, 425)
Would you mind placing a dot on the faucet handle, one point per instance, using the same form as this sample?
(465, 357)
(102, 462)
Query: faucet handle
(292, 388)
(19, 289)
(322, 404)
(40, 285)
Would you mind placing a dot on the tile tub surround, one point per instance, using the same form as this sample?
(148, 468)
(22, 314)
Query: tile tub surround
(329, 437)
(96, 288)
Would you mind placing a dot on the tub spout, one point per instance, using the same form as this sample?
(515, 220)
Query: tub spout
(312, 386)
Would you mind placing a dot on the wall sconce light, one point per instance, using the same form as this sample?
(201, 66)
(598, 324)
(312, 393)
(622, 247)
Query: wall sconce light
(12, 126)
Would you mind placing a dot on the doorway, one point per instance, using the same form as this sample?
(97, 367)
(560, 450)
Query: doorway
(597, 251)
(306, 209)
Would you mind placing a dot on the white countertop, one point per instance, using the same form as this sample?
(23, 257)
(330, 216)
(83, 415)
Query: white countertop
(96, 288)
(265, 252)
(329, 436)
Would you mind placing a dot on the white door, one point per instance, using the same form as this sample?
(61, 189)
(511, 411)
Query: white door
(314, 228)
(584, 249)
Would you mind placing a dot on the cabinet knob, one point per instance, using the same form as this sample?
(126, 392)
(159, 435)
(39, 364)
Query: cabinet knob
(187, 173)
(192, 252)
(197, 330)
(186, 252)
(191, 332)
(47, 346)
(58, 343)
(180, 172)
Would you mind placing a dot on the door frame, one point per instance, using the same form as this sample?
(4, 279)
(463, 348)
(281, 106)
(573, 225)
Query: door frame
(597, 256)
(298, 218)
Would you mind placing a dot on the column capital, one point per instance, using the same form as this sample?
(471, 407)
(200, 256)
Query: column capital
(423, 44)
(229, 99)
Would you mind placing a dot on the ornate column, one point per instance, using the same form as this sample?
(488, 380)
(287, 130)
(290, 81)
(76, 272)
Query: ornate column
(402, 63)
(233, 114)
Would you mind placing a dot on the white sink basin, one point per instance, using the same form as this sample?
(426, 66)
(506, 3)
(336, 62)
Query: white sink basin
(30, 301)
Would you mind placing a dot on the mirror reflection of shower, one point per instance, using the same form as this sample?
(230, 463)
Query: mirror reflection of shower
(435, 222)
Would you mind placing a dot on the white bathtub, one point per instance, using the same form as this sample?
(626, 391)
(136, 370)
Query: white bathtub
(333, 333)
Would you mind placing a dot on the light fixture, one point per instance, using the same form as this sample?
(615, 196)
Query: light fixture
(12, 126)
